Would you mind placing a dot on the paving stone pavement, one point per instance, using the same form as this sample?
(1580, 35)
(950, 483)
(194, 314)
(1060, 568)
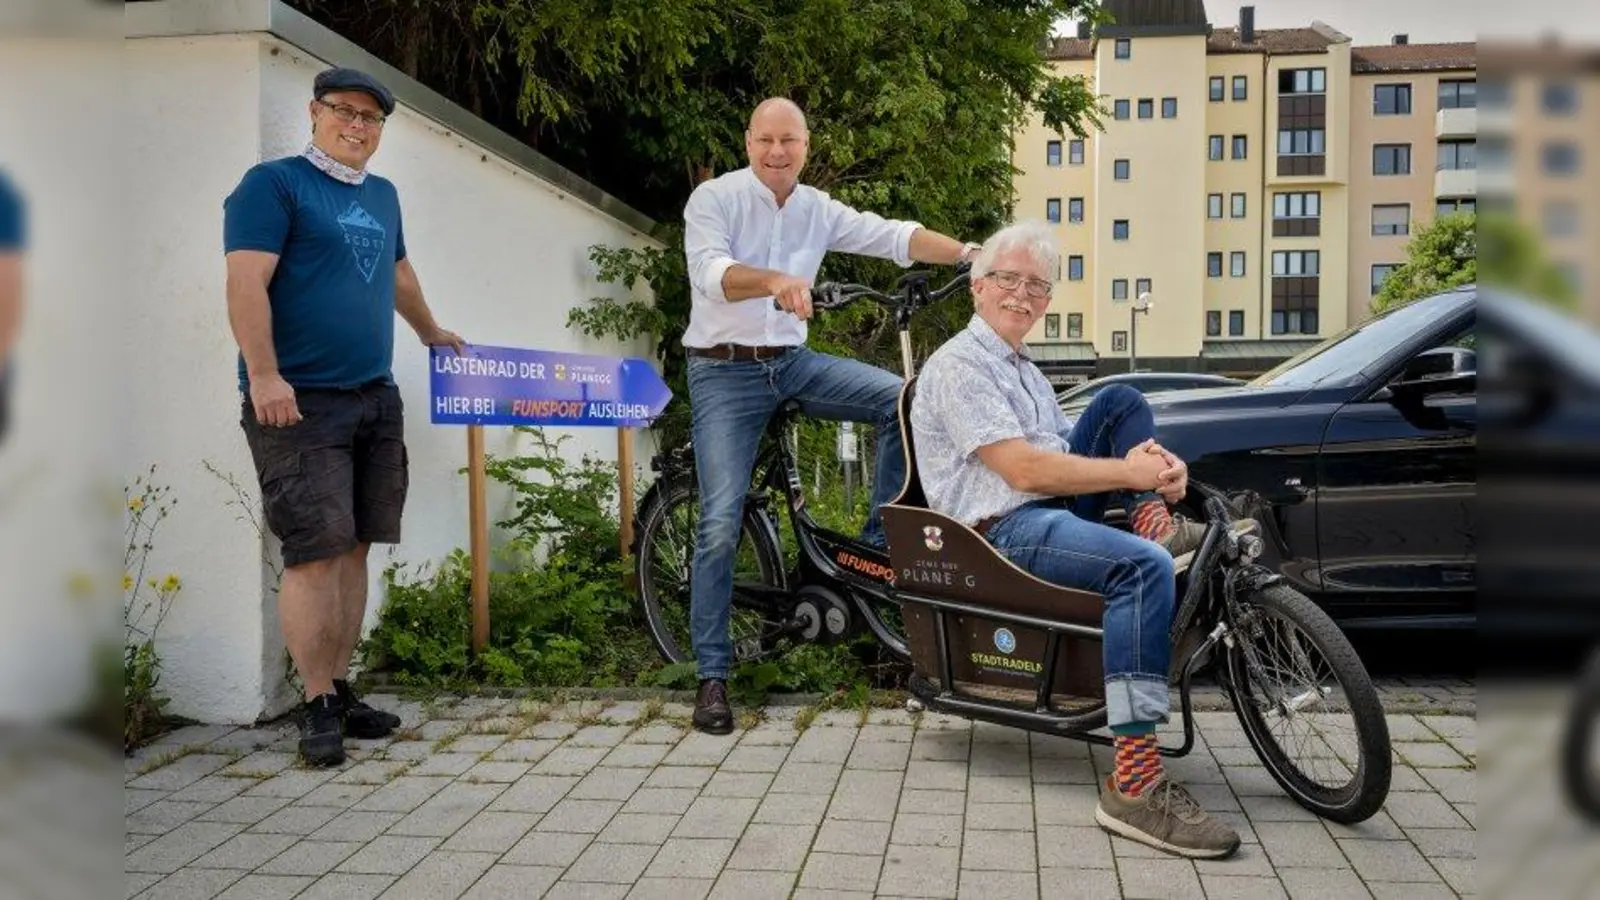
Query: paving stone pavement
(485, 798)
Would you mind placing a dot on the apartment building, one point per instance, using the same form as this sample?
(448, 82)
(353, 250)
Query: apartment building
(1540, 144)
(1212, 225)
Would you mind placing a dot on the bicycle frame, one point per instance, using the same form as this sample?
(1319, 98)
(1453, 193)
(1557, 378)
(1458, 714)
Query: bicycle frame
(834, 565)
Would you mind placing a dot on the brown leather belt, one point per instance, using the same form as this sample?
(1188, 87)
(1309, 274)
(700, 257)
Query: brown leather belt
(983, 525)
(738, 352)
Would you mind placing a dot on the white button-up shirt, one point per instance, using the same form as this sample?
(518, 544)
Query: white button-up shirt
(735, 220)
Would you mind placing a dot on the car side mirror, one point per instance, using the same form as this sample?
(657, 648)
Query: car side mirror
(1442, 370)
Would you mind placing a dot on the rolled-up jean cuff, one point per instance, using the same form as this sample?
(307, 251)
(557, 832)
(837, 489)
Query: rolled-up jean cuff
(1136, 698)
(719, 676)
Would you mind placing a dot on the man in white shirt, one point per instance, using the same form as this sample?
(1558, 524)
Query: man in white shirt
(752, 236)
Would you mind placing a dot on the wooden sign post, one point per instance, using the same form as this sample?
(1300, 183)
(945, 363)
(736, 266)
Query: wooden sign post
(625, 497)
(516, 386)
(477, 509)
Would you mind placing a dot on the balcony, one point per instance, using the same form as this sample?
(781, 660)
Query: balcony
(1455, 123)
(1455, 183)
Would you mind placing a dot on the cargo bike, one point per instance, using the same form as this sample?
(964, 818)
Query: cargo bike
(989, 642)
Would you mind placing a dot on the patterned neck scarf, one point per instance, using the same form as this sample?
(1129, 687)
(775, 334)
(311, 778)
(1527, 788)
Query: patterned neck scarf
(332, 167)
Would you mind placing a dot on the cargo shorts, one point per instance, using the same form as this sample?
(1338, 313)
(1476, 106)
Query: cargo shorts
(336, 478)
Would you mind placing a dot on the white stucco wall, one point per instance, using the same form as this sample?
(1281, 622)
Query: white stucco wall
(502, 256)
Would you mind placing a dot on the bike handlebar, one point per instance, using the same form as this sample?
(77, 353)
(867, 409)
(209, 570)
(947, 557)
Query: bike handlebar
(911, 293)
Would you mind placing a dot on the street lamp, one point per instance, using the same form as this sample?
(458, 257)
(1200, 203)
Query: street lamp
(1141, 305)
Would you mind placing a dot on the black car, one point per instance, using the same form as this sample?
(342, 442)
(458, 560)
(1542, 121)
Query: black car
(1074, 399)
(1359, 458)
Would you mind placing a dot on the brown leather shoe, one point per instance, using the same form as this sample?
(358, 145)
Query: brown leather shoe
(711, 711)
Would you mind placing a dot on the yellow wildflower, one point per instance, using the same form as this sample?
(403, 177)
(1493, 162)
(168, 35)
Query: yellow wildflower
(170, 584)
(136, 504)
(127, 581)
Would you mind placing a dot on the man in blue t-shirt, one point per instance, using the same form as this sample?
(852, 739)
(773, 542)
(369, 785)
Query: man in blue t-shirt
(317, 269)
(13, 240)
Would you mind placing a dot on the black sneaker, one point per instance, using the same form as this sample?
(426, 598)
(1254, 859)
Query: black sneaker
(321, 737)
(712, 714)
(360, 720)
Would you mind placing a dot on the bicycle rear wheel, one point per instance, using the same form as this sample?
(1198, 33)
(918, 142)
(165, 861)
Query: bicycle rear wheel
(664, 557)
(1308, 706)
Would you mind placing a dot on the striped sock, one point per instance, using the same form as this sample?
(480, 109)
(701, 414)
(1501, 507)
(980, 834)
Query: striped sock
(1151, 520)
(1138, 762)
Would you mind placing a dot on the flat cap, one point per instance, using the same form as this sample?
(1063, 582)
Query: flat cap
(343, 79)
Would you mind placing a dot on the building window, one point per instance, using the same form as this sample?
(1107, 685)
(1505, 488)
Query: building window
(1391, 99)
(1559, 98)
(1052, 209)
(1075, 152)
(1451, 205)
(1074, 268)
(1380, 274)
(1075, 210)
(1052, 153)
(1297, 205)
(1302, 81)
(1119, 169)
(1074, 325)
(1236, 263)
(1119, 342)
(1147, 108)
(1119, 230)
(1119, 288)
(1296, 262)
(1141, 286)
(1236, 206)
(1239, 146)
(1213, 323)
(1235, 323)
(1213, 206)
(1241, 87)
(1560, 219)
(1391, 218)
(1169, 107)
(1457, 155)
(1214, 147)
(1559, 158)
(1458, 94)
(1301, 141)
(1297, 214)
(1124, 48)
(1052, 326)
(1214, 264)
(1121, 109)
(1391, 159)
(1216, 89)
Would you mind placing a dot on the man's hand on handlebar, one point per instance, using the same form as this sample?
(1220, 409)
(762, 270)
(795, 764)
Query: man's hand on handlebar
(792, 295)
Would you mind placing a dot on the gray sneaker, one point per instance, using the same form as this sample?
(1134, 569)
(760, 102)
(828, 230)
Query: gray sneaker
(1184, 540)
(1165, 817)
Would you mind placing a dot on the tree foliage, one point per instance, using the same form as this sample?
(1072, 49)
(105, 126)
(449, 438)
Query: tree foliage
(912, 107)
(1440, 256)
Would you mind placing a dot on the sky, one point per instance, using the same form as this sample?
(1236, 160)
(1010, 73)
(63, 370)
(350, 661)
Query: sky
(1425, 21)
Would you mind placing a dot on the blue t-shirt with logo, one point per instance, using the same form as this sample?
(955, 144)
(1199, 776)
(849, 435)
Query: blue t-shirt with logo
(332, 292)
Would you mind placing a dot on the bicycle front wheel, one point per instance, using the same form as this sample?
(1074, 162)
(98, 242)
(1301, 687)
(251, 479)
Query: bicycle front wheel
(664, 559)
(1308, 706)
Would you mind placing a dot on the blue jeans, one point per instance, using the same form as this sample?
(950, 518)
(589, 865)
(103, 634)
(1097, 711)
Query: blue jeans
(731, 404)
(1063, 541)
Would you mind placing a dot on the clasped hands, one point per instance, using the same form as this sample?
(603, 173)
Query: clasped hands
(1154, 468)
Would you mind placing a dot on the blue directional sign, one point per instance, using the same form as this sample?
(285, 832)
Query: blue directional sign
(511, 386)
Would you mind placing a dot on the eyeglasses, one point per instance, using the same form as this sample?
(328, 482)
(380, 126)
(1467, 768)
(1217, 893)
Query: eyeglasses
(1037, 288)
(349, 114)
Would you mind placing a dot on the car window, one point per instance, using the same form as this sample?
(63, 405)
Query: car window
(1342, 357)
